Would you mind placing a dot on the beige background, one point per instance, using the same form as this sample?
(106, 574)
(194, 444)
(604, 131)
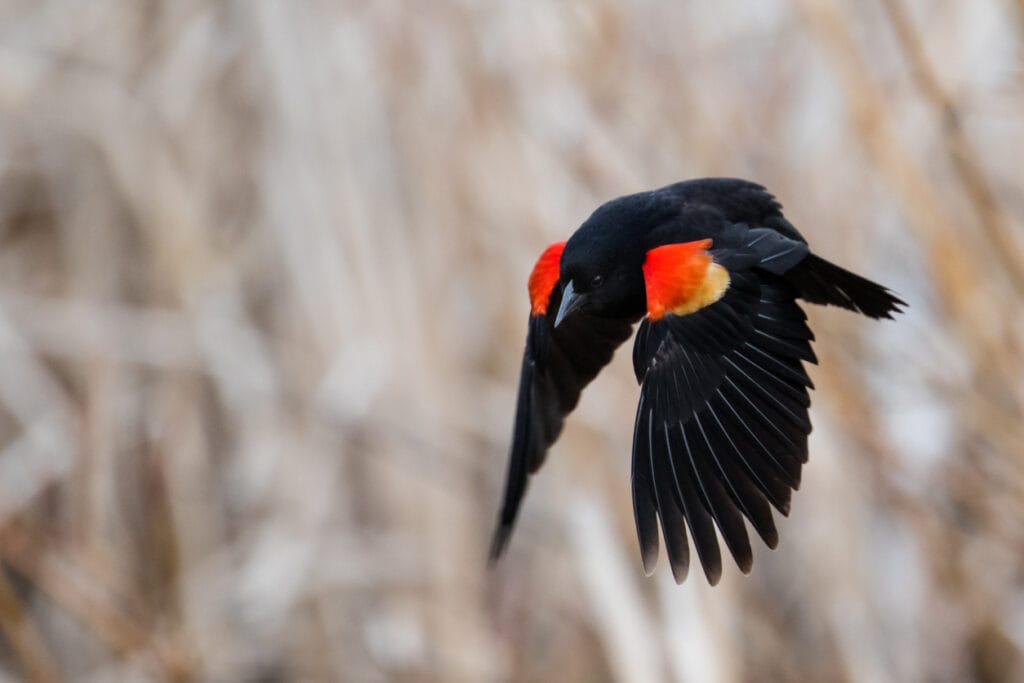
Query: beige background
(263, 297)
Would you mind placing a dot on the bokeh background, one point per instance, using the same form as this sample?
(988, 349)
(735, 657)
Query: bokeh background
(262, 307)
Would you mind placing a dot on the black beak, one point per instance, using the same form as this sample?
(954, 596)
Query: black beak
(571, 301)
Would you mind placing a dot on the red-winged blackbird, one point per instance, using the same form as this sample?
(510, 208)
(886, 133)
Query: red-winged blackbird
(721, 427)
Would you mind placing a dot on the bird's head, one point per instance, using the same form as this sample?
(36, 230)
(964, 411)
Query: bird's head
(602, 264)
(600, 281)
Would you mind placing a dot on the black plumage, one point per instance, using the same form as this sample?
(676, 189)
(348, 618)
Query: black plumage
(721, 427)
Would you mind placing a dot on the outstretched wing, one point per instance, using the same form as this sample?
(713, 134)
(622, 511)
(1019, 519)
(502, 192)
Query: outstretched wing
(721, 427)
(557, 364)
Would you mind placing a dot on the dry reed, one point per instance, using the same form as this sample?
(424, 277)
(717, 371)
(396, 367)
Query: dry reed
(262, 299)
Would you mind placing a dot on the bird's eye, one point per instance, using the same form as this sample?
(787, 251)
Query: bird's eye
(596, 282)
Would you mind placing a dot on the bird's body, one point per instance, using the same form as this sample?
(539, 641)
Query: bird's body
(714, 270)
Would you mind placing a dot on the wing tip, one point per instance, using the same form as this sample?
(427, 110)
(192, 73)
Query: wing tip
(713, 574)
(745, 560)
(499, 544)
(649, 567)
(680, 570)
(649, 560)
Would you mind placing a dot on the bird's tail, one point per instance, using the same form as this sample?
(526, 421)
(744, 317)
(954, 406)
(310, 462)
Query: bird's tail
(822, 282)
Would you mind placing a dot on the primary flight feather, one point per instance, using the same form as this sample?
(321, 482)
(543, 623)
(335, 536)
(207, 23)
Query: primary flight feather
(715, 271)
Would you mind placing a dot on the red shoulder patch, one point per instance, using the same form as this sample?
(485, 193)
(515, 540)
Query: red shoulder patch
(682, 278)
(544, 278)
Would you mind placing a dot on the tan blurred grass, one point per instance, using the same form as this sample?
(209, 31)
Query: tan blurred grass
(262, 295)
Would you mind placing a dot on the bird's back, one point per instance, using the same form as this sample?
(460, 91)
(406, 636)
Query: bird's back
(733, 199)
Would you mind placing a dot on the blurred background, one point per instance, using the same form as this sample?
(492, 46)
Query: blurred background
(263, 300)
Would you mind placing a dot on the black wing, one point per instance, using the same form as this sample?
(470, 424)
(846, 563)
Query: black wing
(721, 427)
(557, 364)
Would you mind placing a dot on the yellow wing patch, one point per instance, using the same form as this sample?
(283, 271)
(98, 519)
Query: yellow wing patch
(712, 287)
(682, 278)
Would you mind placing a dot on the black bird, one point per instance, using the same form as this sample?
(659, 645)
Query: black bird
(714, 270)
